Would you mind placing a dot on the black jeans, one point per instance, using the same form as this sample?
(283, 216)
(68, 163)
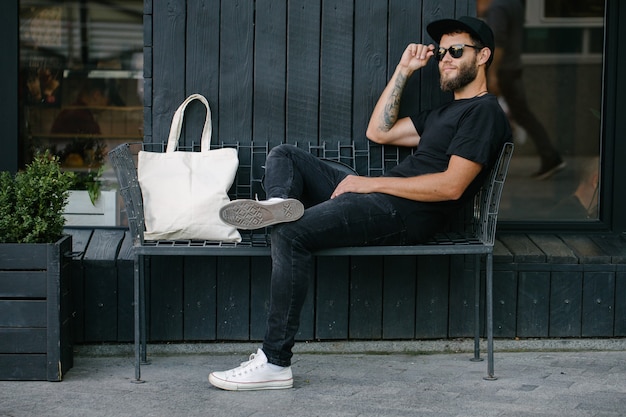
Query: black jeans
(348, 220)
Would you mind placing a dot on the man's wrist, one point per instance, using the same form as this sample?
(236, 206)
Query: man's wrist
(405, 71)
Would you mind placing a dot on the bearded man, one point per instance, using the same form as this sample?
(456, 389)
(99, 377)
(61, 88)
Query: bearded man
(315, 206)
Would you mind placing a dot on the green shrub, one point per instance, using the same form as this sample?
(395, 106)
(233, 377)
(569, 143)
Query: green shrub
(32, 202)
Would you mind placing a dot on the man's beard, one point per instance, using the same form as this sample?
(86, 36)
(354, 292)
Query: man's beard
(467, 74)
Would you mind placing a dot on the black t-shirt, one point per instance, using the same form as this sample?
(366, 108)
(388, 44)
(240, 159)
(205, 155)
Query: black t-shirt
(474, 129)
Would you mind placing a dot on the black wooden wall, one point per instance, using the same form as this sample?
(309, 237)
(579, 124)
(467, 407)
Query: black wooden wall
(545, 285)
(292, 71)
(284, 71)
(311, 71)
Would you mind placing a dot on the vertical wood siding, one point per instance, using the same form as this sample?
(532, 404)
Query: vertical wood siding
(288, 72)
(299, 70)
(311, 71)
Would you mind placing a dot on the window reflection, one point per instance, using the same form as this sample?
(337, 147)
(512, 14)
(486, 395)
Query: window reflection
(561, 71)
(81, 85)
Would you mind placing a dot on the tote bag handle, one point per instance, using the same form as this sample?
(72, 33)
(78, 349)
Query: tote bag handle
(177, 125)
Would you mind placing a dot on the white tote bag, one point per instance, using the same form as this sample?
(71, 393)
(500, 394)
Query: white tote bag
(184, 191)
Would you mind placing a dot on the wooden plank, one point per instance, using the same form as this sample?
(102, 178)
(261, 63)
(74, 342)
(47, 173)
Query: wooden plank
(566, 303)
(431, 94)
(30, 256)
(303, 63)
(585, 249)
(504, 304)
(620, 303)
(236, 67)
(100, 286)
(59, 312)
(23, 313)
(366, 289)
(431, 312)
(461, 314)
(147, 112)
(23, 284)
(336, 53)
(147, 75)
(104, 245)
(533, 308)
(202, 64)
(522, 248)
(332, 298)
(370, 64)
(66, 353)
(233, 298)
(101, 306)
(147, 25)
(31, 367)
(23, 340)
(261, 270)
(147, 7)
(80, 241)
(598, 304)
(399, 297)
(501, 253)
(125, 290)
(465, 8)
(168, 64)
(557, 252)
(199, 295)
(270, 66)
(613, 245)
(166, 298)
(404, 27)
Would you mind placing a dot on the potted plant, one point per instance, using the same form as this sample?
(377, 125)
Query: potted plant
(88, 204)
(35, 308)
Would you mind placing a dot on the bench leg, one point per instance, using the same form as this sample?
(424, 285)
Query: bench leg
(476, 357)
(137, 318)
(489, 313)
(143, 323)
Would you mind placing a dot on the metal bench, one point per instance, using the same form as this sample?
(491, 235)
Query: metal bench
(473, 235)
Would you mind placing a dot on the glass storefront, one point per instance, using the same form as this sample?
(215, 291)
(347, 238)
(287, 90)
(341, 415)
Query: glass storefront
(81, 88)
(562, 60)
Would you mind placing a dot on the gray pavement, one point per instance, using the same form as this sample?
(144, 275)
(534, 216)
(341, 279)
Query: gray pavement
(549, 378)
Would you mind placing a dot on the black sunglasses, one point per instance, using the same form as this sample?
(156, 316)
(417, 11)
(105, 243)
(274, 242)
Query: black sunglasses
(456, 51)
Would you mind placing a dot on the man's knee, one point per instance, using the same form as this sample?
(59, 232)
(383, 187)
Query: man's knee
(281, 150)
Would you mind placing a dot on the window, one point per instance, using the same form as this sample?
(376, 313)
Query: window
(562, 72)
(81, 83)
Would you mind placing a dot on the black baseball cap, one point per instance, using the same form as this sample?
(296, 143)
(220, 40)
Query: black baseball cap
(475, 27)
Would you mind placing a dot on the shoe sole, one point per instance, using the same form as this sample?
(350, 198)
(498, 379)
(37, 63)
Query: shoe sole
(251, 386)
(251, 214)
(549, 173)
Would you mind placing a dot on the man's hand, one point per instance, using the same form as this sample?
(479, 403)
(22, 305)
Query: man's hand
(416, 56)
(354, 184)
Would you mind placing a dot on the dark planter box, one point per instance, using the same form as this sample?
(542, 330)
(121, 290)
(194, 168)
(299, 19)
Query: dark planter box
(35, 311)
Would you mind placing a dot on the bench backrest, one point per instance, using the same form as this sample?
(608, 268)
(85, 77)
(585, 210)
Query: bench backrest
(487, 201)
(373, 161)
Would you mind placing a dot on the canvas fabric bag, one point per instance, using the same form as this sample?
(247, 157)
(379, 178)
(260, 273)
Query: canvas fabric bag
(184, 191)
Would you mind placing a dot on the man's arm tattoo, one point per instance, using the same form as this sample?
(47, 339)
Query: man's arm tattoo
(390, 113)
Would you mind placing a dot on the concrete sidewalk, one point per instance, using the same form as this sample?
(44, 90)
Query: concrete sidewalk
(531, 383)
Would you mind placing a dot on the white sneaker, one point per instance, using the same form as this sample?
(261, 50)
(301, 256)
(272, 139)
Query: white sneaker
(253, 214)
(253, 375)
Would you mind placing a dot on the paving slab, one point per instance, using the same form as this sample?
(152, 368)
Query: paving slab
(590, 383)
